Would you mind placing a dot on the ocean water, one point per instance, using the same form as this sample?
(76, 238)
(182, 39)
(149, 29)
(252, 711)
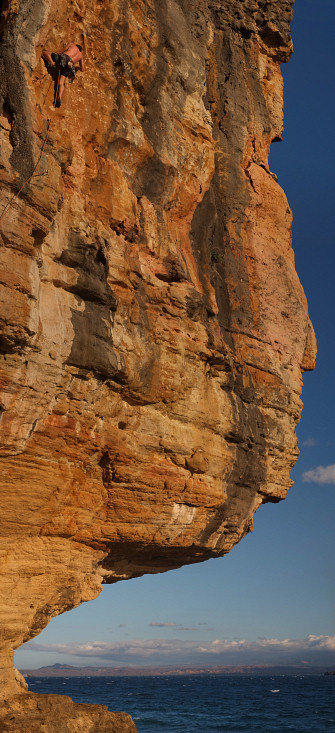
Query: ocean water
(205, 703)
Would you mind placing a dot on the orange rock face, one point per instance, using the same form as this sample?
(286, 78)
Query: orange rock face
(153, 328)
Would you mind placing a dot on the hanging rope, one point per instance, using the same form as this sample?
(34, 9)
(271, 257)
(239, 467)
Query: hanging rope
(48, 90)
(16, 195)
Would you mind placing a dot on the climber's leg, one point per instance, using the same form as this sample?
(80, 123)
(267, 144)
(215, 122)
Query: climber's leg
(61, 87)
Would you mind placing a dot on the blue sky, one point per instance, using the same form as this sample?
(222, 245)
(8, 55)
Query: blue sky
(272, 600)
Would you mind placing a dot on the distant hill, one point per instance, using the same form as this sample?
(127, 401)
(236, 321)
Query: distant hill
(66, 670)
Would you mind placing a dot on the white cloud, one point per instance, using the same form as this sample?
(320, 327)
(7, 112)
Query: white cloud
(320, 475)
(314, 648)
(309, 442)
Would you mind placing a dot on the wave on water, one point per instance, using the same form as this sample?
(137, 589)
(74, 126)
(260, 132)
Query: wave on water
(198, 703)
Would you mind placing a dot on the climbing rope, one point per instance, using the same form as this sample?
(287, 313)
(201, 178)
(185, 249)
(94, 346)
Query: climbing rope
(16, 195)
(48, 89)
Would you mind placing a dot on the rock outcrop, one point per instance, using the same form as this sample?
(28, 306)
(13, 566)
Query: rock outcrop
(58, 714)
(153, 328)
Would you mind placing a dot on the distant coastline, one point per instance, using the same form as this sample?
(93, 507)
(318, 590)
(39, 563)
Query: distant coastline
(66, 670)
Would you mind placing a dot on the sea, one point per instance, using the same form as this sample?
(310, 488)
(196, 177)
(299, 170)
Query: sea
(205, 703)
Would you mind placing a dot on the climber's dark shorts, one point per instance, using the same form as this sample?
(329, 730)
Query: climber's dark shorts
(65, 65)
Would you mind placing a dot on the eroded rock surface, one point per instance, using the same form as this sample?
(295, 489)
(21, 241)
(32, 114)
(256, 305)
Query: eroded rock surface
(58, 714)
(153, 327)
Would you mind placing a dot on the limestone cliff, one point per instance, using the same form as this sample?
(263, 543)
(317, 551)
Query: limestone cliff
(153, 328)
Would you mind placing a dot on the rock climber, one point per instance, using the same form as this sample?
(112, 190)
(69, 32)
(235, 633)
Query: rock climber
(65, 62)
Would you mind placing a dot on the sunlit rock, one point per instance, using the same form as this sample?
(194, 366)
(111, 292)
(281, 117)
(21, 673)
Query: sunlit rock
(153, 327)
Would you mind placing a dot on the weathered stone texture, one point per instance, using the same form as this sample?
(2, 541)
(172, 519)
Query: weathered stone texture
(153, 327)
(58, 714)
